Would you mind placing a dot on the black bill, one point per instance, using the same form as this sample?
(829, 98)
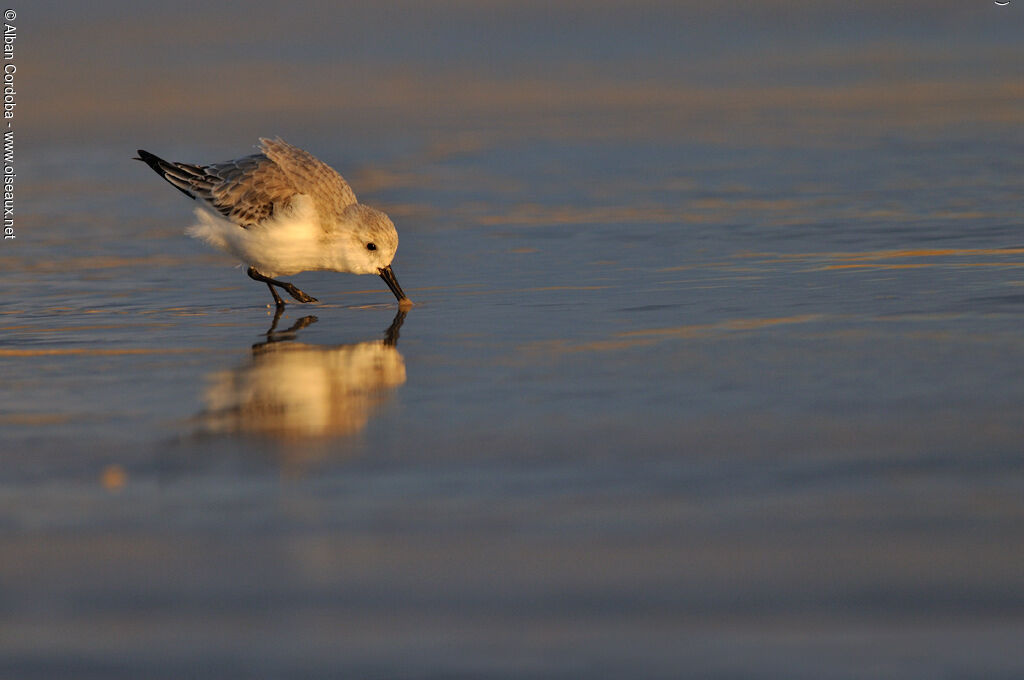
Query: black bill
(389, 278)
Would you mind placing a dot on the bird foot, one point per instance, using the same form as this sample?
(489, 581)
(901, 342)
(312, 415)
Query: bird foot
(298, 294)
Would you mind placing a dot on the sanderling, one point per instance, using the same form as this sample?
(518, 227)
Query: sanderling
(286, 212)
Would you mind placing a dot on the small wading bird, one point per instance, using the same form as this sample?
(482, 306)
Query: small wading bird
(284, 211)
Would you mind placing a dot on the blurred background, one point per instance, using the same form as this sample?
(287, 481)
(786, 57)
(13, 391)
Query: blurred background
(715, 368)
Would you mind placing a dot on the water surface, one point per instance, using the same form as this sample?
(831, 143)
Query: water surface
(715, 367)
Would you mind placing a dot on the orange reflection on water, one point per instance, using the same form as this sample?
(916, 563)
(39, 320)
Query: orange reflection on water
(882, 259)
(888, 254)
(6, 352)
(296, 393)
(649, 336)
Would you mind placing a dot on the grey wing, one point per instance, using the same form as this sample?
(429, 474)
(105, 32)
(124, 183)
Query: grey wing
(245, 190)
(248, 190)
(329, 190)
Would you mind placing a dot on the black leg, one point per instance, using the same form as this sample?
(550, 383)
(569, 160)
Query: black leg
(297, 294)
(291, 289)
(277, 298)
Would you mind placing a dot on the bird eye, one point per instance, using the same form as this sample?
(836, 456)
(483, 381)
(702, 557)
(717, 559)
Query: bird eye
(371, 246)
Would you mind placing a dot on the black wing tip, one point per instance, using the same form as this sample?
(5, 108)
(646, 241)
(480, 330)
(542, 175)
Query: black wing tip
(152, 160)
(156, 163)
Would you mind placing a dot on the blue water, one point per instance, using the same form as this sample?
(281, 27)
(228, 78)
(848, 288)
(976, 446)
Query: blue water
(714, 369)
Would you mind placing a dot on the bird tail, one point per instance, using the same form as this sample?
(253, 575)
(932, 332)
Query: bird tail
(180, 175)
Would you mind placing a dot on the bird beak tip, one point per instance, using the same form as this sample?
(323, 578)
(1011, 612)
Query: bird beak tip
(388, 275)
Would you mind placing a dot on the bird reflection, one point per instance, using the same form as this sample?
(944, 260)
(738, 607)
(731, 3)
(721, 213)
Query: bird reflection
(294, 392)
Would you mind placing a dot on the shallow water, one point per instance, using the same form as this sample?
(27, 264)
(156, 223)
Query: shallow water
(714, 371)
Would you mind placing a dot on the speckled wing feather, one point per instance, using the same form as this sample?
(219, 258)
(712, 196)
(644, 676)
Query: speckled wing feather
(328, 189)
(248, 190)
